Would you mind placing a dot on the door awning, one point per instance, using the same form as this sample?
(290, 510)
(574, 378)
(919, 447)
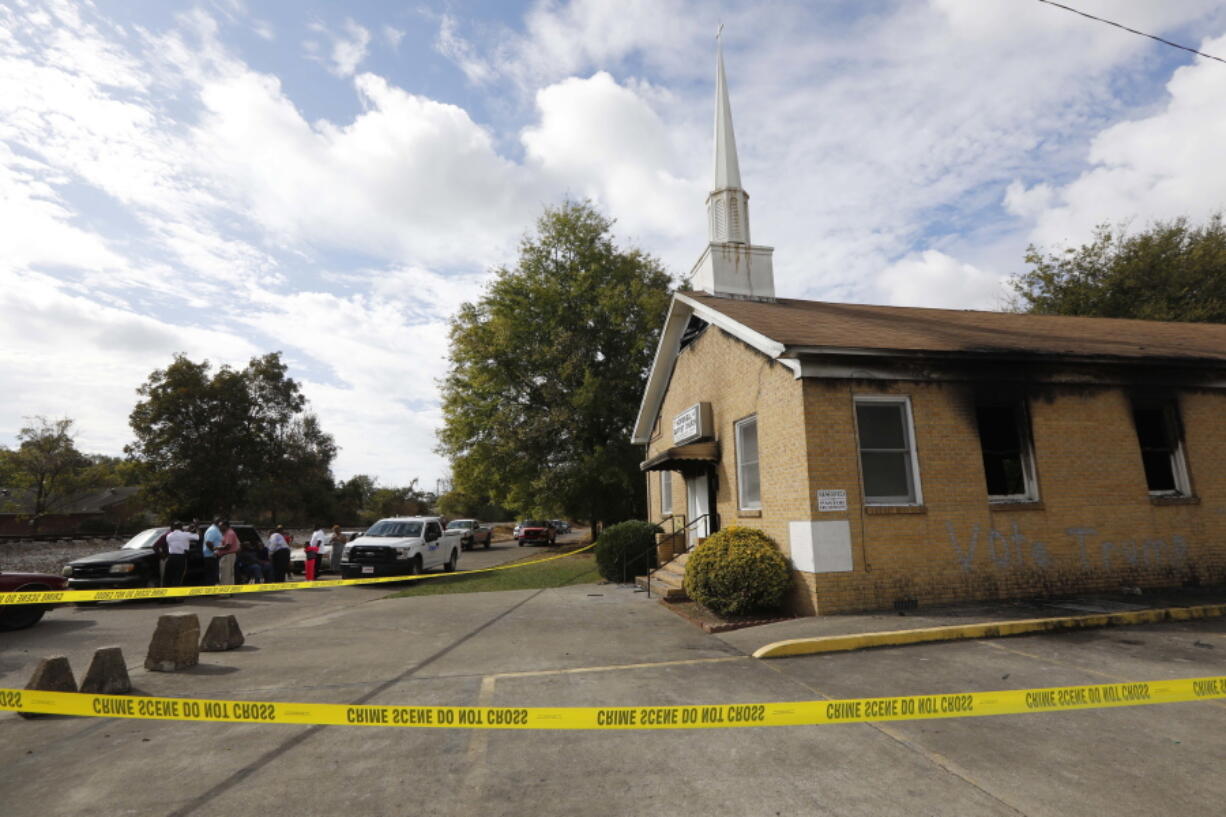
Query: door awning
(676, 459)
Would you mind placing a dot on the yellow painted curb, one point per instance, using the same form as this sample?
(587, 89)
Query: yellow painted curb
(990, 629)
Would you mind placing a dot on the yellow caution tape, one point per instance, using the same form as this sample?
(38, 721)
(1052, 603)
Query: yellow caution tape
(788, 713)
(64, 596)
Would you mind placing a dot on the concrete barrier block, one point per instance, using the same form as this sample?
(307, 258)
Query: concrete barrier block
(175, 644)
(107, 674)
(223, 634)
(52, 674)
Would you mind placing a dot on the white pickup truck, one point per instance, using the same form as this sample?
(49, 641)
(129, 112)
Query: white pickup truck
(472, 532)
(402, 546)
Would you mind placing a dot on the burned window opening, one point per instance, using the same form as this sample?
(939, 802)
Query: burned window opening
(1161, 453)
(693, 329)
(1004, 440)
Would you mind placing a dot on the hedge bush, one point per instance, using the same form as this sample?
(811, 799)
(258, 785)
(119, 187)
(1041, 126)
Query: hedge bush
(626, 550)
(737, 571)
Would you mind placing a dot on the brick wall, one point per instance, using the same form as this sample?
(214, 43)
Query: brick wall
(739, 382)
(1094, 528)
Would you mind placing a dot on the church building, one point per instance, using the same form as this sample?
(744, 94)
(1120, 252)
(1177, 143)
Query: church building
(907, 457)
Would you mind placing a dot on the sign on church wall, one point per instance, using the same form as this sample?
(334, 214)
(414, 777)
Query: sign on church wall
(692, 424)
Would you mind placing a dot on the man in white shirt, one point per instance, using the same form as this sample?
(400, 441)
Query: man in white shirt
(318, 539)
(178, 542)
(278, 549)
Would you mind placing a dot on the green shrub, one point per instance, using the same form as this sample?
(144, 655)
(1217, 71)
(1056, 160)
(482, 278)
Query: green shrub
(626, 550)
(736, 571)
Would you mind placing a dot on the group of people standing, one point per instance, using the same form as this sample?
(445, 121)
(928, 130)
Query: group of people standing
(227, 560)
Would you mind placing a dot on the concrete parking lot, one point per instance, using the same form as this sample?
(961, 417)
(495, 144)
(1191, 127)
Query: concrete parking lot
(600, 644)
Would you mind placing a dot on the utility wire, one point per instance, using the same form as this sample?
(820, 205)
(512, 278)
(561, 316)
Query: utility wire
(1133, 30)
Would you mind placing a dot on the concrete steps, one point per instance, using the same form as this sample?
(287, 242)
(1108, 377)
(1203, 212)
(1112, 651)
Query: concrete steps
(668, 580)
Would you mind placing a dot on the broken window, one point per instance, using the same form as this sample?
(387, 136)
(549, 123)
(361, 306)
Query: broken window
(887, 451)
(1004, 438)
(1161, 451)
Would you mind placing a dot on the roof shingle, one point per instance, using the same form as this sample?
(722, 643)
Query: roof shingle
(797, 323)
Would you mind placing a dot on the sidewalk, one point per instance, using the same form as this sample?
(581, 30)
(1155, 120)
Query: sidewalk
(839, 633)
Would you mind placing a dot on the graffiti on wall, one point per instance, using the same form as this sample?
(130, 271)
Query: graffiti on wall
(1016, 550)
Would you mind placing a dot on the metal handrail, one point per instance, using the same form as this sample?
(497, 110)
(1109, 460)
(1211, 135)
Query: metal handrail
(673, 533)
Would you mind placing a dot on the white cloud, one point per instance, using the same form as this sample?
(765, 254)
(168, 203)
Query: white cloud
(349, 47)
(63, 353)
(932, 278)
(393, 36)
(878, 153)
(409, 179)
(264, 30)
(454, 47)
(603, 140)
(1157, 167)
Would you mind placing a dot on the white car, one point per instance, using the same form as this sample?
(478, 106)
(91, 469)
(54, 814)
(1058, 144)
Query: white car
(402, 546)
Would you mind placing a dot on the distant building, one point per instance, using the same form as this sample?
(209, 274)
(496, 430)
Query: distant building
(105, 510)
(905, 456)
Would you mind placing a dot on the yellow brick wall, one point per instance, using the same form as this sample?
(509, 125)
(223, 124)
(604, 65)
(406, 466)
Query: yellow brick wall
(738, 382)
(1094, 528)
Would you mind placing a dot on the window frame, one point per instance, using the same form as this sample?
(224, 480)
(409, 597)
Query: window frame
(666, 491)
(912, 451)
(1030, 474)
(1178, 458)
(741, 464)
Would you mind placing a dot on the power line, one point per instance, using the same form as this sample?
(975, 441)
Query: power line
(1133, 30)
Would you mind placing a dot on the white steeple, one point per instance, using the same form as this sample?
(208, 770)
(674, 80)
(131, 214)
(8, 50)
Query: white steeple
(727, 204)
(730, 265)
(727, 169)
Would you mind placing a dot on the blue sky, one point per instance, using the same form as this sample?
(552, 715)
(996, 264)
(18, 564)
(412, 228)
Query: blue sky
(228, 178)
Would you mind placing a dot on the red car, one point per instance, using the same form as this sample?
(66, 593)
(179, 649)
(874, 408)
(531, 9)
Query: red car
(20, 616)
(536, 532)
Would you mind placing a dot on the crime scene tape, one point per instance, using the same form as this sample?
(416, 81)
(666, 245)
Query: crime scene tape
(66, 596)
(788, 713)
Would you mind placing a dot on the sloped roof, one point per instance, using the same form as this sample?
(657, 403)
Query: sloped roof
(790, 331)
(819, 325)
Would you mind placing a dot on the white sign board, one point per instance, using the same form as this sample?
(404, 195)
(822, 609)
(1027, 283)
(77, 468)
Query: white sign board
(821, 547)
(828, 501)
(691, 423)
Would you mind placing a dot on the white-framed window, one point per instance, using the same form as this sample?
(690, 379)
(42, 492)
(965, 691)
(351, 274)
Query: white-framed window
(888, 466)
(1158, 433)
(1008, 451)
(666, 493)
(748, 476)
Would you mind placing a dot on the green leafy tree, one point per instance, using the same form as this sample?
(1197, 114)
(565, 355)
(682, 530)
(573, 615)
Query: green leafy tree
(46, 470)
(352, 496)
(547, 370)
(457, 504)
(1172, 271)
(404, 500)
(297, 483)
(211, 442)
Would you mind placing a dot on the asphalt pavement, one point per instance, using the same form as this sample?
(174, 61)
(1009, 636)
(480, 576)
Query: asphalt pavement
(590, 645)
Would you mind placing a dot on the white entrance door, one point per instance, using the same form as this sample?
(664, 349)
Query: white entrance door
(697, 503)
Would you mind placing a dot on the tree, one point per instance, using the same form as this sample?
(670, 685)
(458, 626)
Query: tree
(298, 477)
(1170, 272)
(547, 370)
(212, 442)
(352, 496)
(46, 465)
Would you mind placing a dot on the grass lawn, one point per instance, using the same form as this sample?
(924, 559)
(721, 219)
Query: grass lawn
(578, 569)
